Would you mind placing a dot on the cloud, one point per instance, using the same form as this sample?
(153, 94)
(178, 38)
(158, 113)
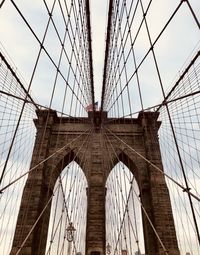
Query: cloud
(171, 51)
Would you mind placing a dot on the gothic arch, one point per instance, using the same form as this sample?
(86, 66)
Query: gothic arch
(72, 209)
(62, 160)
(140, 171)
(135, 164)
(125, 203)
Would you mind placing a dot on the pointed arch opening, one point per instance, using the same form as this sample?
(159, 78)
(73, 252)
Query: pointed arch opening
(69, 205)
(124, 229)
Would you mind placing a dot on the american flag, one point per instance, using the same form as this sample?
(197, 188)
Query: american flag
(89, 108)
(124, 252)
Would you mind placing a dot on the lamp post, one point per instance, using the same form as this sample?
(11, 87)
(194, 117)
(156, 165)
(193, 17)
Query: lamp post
(108, 248)
(70, 236)
(70, 232)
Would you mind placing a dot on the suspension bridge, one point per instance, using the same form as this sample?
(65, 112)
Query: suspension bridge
(99, 127)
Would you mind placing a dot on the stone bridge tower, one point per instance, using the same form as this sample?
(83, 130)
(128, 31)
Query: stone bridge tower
(139, 134)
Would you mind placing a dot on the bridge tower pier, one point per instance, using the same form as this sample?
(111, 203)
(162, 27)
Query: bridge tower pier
(134, 135)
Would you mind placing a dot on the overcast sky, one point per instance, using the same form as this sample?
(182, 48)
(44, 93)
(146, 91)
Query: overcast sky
(172, 51)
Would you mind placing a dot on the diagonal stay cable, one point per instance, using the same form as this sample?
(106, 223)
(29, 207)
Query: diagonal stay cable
(63, 190)
(170, 120)
(146, 214)
(147, 53)
(26, 95)
(130, 180)
(18, 80)
(45, 50)
(62, 44)
(154, 166)
(45, 207)
(155, 106)
(37, 104)
(180, 79)
(150, 222)
(43, 161)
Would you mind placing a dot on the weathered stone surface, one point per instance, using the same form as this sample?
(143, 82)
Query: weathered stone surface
(141, 136)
